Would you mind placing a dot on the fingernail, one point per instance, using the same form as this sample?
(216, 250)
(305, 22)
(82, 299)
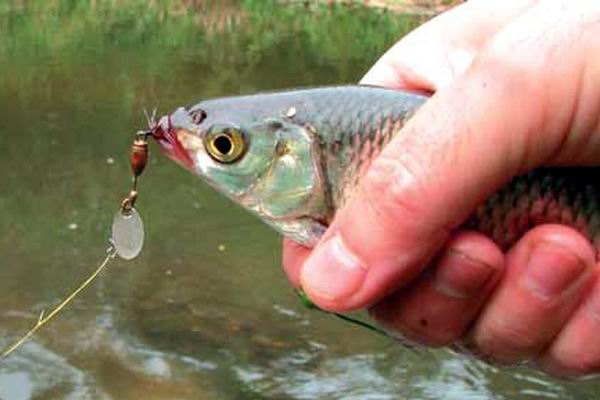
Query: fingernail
(332, 272)
(552, 270)
(461, 276)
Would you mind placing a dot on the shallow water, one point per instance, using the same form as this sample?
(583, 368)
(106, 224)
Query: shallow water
(205, 311)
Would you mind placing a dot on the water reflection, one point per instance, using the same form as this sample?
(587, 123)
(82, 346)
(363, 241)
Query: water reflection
(204, 312)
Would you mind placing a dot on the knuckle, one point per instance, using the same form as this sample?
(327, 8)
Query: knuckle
(513, 74)
(510, 87)
(393, 189)
(513, 71)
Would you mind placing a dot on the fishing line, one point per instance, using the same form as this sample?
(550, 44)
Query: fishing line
(312, 306)
(42, 320)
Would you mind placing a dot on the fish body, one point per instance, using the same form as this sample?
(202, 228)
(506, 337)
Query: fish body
(294, 157)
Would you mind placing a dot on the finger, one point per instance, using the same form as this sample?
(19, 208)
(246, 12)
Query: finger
(433, 55)
(294, 256)
(548, 273)
(431, 176)
(439, 307)
(575, 352)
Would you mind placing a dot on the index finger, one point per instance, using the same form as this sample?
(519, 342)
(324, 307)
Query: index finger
(435, 54)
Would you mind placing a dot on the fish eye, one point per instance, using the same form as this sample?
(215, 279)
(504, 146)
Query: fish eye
(225, 145)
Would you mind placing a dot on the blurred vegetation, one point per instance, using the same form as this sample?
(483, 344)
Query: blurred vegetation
(30, 30)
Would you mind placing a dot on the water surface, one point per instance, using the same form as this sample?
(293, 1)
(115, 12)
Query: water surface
(205, 311)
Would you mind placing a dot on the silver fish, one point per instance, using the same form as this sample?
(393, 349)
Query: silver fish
(294, 157)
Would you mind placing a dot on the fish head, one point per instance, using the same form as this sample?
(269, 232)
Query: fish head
(269, 165)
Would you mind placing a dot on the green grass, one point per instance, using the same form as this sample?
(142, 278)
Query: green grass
(45, 28)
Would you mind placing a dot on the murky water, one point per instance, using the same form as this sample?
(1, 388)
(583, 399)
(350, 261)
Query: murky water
(205, 311)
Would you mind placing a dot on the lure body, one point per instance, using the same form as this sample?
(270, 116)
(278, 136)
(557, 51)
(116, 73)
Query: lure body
(304, 151)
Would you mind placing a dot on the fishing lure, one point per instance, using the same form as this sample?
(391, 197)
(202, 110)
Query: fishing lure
(128, 228)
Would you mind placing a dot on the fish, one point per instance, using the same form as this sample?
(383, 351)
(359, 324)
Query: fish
(294, 157)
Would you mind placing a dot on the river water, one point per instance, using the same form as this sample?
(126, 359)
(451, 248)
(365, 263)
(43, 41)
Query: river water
(205, 311)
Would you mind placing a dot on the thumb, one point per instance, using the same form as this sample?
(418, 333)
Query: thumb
(420, 188)
(466, 142)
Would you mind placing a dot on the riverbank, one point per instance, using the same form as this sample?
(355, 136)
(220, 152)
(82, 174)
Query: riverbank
(414, 7)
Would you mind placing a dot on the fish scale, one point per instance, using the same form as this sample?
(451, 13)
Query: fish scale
(353, 134)
(549, 195)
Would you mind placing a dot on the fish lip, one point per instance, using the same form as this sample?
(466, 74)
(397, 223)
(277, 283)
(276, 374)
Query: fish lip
(166, 137)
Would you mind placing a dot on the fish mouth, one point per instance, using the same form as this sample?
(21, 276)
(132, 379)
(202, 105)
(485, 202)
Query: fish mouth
(169, 141)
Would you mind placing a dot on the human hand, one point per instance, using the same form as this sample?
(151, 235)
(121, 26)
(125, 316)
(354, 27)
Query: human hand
(517, 86)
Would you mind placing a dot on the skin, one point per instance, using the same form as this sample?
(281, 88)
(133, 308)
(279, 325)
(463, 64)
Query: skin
(516, 85)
